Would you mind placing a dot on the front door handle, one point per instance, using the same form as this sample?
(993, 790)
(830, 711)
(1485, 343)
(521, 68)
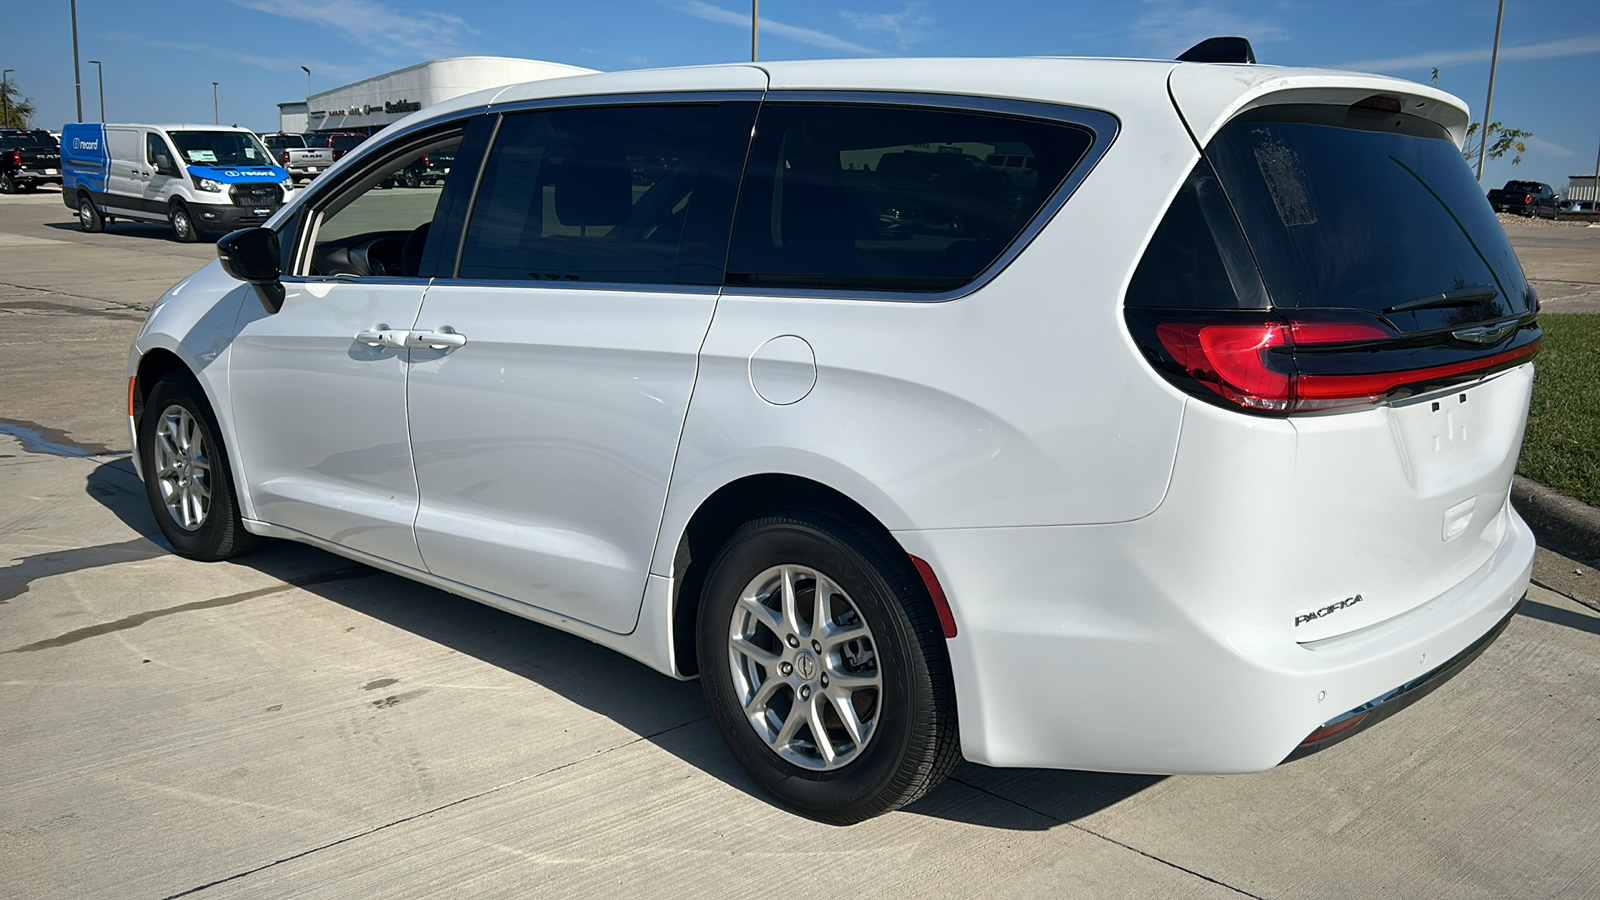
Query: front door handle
(383, 336)
(435, 340)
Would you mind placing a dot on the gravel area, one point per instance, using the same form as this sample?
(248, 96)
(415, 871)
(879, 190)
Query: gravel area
(1509, 220)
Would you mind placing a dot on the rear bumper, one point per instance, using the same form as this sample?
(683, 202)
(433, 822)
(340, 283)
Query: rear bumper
(1073, 652)
(35, 176)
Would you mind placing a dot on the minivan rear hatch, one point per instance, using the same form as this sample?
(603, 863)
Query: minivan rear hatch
(1362, 288)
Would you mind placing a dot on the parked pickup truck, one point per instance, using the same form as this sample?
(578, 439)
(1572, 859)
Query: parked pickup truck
(1528, 198)
(304, 163)
(27, 160)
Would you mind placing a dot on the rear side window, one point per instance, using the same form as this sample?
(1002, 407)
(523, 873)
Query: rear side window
(862, 197)
(624, 194)
(1359, 209)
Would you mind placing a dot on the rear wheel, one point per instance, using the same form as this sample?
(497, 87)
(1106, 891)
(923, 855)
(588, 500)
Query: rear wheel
(183, 230)
(8, 185)
(186, 474)
(824, 667)
(89, 217)
(410, 180)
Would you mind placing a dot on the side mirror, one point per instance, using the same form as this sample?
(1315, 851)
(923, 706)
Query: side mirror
(164, 165)
(251, 254)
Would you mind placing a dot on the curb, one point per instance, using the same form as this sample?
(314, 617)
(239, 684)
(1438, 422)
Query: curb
(1559, 522)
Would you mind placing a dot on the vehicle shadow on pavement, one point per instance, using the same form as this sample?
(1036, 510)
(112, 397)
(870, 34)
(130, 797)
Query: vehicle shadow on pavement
(150, 230)
(669, 714)
(1544, 612)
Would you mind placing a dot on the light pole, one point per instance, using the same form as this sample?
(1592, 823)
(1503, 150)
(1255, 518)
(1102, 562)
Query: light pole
(308, 81)
(77, 80)
(216, 118)
(1494, 60)
(100, 76)
(5, 99)
(754, 10)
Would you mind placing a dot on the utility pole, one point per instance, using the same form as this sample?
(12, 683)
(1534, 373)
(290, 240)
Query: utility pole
(77, 80)
(1494, 60)
(5, 99)
(216, 118)
(308, 81)
(100, 75)
(755, 8)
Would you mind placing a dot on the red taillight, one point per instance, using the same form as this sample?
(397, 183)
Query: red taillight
(286, 158)
(16, 158)
(425, 160)
(1528, 199)
(1252, 364)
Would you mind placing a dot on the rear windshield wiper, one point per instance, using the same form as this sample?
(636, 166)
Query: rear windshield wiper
(1467, 296)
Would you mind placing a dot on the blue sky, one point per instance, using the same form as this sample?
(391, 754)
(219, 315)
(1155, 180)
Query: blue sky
(160, 60)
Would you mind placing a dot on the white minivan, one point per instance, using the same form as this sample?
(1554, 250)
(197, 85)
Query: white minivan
(197, 178)
(1122, 415)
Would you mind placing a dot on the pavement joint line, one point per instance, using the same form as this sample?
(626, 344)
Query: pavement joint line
(133, 306)
(1559, 592)
(428, 812)
(1107, 838)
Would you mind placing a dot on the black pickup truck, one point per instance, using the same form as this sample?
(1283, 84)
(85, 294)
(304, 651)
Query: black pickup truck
(1527, 198)
(27, 160)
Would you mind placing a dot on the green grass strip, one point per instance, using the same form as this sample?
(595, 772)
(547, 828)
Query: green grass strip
(1562, 447)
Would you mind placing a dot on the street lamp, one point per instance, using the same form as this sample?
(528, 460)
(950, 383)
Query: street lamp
(100, 76)
(754, 9)
(216, 118)
(1494, 60)
(308, 81)
(5, 99)
(77, 80)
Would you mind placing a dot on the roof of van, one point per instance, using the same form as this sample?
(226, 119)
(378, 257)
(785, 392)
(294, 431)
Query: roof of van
(179, 126)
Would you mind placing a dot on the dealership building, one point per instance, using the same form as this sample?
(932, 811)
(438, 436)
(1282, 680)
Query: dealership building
(370, 104)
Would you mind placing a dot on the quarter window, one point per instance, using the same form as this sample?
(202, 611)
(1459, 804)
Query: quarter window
(625, 194)
(864, 197)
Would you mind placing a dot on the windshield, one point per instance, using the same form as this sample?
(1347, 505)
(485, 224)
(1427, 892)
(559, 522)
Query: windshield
(1360, 209)
(221, 148)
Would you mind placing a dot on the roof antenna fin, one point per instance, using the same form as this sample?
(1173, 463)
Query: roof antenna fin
(1220, 50)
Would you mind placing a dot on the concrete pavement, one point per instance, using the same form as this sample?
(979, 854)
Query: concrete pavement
(295, 724)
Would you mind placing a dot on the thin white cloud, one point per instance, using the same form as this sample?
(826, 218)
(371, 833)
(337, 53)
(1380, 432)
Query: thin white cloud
(1557, 49)
(911, 24)
(1550, 147)
(1169, 27)
(373, 24)
(703, 10)
(269, 63)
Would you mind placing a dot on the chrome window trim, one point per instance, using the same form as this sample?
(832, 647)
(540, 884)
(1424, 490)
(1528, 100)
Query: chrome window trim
(641, 287)
(629, 99)
(353, 279)
(1102, 126)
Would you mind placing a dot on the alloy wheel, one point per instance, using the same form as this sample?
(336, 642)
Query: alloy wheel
(183, 468)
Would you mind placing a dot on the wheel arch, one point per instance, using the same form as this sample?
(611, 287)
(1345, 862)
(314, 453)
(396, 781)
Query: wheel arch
(715, 520)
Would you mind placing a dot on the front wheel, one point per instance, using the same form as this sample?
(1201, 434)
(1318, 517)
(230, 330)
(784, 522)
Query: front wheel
(824, 667)
(186, 475)
(89, 217)
(183, 230)
(8, 185)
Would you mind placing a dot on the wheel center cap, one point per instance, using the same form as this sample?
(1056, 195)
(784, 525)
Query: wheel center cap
(805, 665)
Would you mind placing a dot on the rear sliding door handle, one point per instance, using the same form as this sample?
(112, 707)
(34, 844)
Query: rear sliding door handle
(435, 340)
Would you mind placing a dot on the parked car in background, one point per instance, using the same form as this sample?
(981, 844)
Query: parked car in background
(1094, 414)
(340, 142)
(197, 178)
(1578, 206)
(303, 163)
(428, 169)
(28, 158)
(1526, 198)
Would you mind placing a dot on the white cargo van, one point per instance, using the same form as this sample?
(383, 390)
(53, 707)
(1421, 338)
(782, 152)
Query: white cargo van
(198, 178)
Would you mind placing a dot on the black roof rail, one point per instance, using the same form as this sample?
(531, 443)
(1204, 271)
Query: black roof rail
(1220, 50)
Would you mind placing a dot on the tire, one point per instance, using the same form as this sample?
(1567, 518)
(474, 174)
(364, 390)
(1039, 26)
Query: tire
(183, 228)
(89, 218)
(882, 647)
(410, 180)
(8, 185)
(187, 478)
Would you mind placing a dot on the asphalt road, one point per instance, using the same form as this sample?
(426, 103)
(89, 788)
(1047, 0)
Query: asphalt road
(295, 724)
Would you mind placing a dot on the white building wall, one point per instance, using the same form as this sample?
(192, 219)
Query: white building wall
(292, 117)
(1580, 187)
(390, 97)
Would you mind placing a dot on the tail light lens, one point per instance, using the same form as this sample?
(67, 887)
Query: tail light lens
(425, 161)
(1528, 199)
(1274, 364)
(286, 158)
(16, 158)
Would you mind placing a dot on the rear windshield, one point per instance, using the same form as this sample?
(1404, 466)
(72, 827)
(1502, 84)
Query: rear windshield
(347, 141)
(1353, 208)
(221, 148)
(285, 141)
(42, 141)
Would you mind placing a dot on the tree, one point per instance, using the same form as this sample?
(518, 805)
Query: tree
(1503, 139)
(18, 110)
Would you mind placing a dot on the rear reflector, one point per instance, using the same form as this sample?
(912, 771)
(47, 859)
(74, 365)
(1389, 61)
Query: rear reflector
(1333, 728)
(947, 619)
